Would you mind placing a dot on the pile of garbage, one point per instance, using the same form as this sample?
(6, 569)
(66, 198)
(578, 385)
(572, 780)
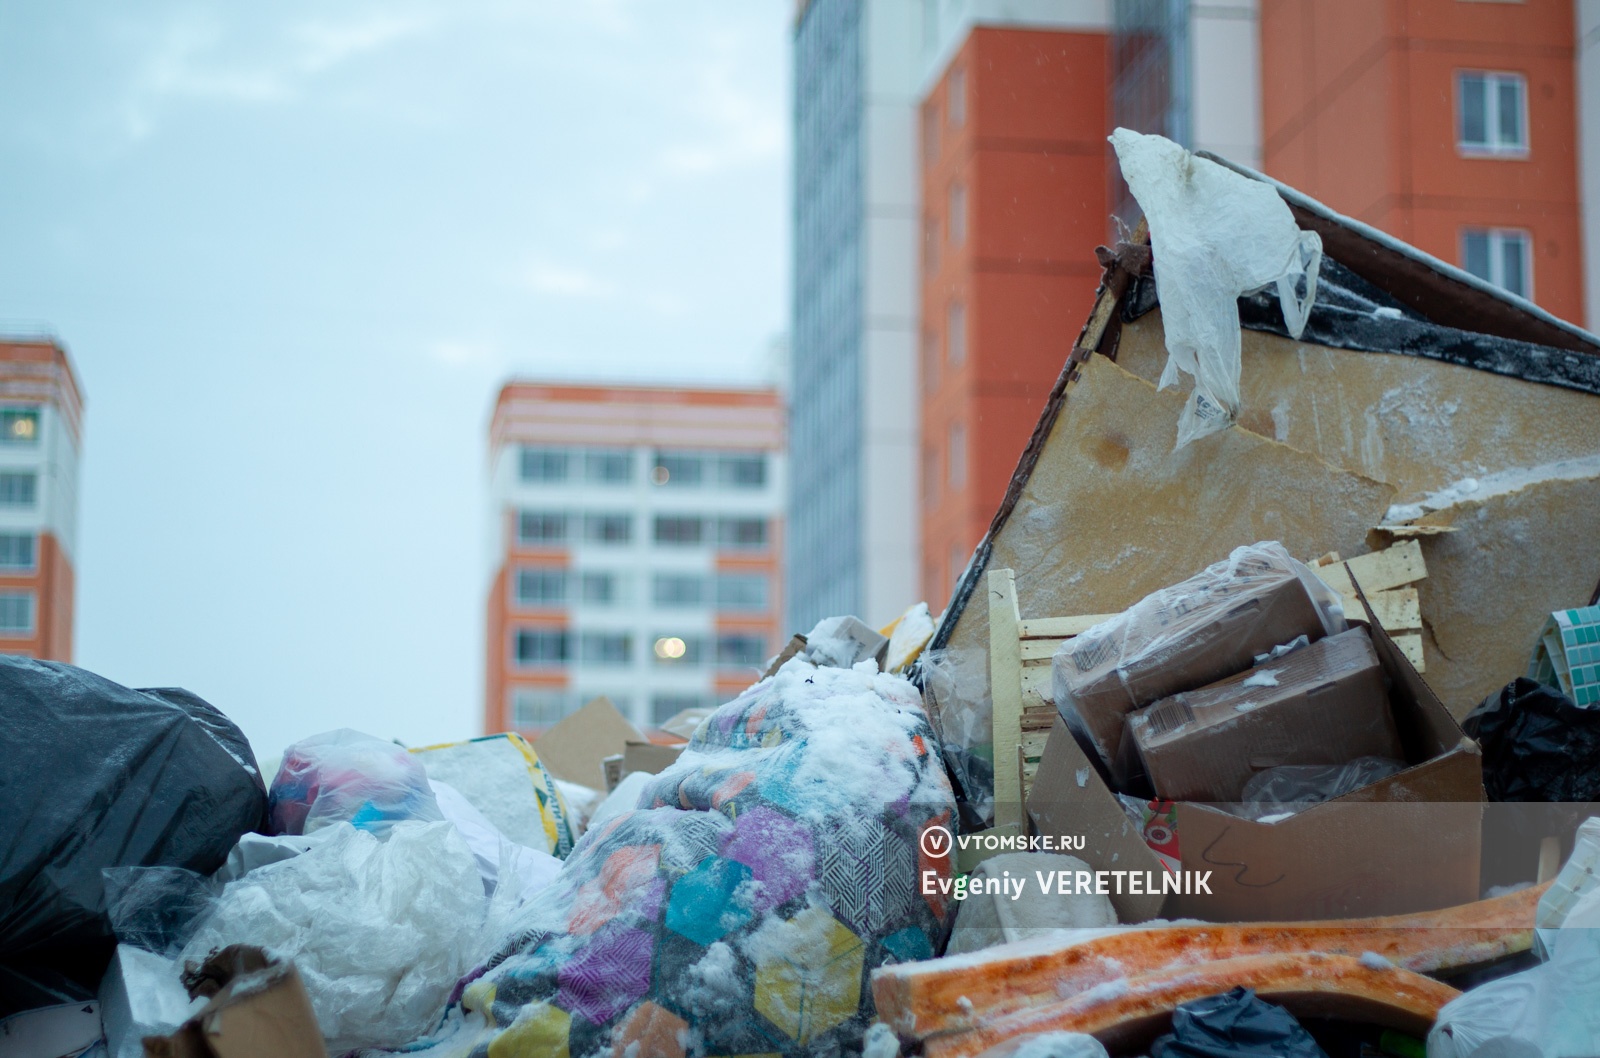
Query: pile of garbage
(1244, 734)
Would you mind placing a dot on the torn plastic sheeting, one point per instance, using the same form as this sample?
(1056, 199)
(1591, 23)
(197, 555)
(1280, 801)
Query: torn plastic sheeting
(1537, 745)
(1214, 234)
(142, 995)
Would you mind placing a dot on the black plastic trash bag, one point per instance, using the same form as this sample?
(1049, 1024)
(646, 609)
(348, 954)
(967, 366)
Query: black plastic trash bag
(1537, 745)
(95, 775)
(1235, 1025)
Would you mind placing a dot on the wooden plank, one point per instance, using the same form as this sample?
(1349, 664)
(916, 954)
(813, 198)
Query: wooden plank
(1377, 571)
(1061, 627)
(1397, 610)
(1040, 649)
(1005, 682)
(1410, 644)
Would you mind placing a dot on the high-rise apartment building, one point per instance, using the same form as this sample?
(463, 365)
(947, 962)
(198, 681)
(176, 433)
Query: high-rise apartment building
(41, 433)
(637, 535)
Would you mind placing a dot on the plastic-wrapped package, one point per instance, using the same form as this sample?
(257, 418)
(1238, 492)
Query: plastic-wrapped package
(503, 778)
(1537, 745)
(1048, 1045)
(1546, 1012)
(346, 776)
(97, 775)
(1191, 634)
(380, 931)
(1214, 235)
(1290, 788)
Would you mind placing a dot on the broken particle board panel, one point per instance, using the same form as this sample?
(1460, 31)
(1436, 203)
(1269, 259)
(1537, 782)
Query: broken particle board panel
(1421, 425)
(1111, 512)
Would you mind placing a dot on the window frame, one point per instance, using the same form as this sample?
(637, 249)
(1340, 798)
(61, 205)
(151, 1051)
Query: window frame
(567, 641)
(30, 599)
(10, 415)
(33, 552)
(1492, 147)
(528, 453)
(563, 577)
(1497, 238)
(565, 537)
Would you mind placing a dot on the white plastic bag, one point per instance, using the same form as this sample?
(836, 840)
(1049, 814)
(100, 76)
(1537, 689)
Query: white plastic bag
(380, 930)
(346, 776)
(1048, 1045)
(1214, 234)
(141, 995)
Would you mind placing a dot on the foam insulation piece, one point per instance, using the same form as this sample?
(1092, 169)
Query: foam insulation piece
(1111, 512)
(1215, 234)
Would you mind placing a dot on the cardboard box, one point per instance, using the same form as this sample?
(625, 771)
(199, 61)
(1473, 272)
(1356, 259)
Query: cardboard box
(574, 749)
(258, 1009)
(1406, 843)
(1322, 704)
(1177, 639)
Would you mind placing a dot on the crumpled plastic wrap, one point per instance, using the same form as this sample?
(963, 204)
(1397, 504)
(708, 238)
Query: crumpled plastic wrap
(1191, 634)
(346, 776)
(955, 687)
(1546, 1012)
(380, 930)
(1537, 745)
(1048, 1045)
(1290, 788)
(1237, 1024)
(1214, 235)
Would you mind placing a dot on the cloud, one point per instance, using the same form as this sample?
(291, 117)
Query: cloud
(564, 281)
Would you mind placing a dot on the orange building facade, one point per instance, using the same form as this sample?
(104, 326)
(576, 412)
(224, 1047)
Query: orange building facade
(637, 535)
(1014, 202)
(1451, 124)
(41, 432)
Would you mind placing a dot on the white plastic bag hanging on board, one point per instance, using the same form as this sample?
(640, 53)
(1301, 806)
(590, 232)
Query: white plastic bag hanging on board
(1215, 234)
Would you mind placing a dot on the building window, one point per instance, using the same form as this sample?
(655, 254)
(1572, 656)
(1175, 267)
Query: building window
(664, 707)
(930, 361)
(742, 472)
(600, 589)
(957, 457)
(678, 650)
(17, 550)
(16, 613)
(678, 469)
(533, 527)
(19, 426)
(678, 589)
(605, 648)
(608, 468)
(1491, 113)
(542, 646)
(958, 214)
(930, 133)
(957, 101)
(742, 534)
(608, 528)
(679, 530)
(536, 708)
(741, 591)
(18, 490)
(1501, 256)
(545, 464)
(541, 587)
(955, 337)
(930, 477)
(930, 244)
(741, 650)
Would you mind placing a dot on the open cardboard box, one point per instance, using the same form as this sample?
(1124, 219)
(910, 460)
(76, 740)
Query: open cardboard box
(1406, 843)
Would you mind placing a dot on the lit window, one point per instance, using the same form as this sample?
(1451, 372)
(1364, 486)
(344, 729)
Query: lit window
(678, 469)
(957, 458)
(741, 591)
(600, 589)
(664, 707)
(18, 490)
(541, 646)
(1501, 256)
(741, 650)
(16, 613)
(541, 587)
(742, 534)
(608, 528)
(678, 589)
(1491, 113)
(957, 103)
(605, 648)
(679, 529)
(544, 464)
(535, 708)
(17, 550)
(678, 650)
(610, 468)
(958, 214)
(742, 471)
(19, 426)
(955, 337)
(533, 527)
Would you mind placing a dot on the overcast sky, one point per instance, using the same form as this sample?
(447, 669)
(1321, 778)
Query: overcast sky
(294, 248)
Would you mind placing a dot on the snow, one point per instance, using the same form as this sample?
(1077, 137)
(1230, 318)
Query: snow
(1261, 679)
(1082, 776)
(1373, 961)
(1489, 486)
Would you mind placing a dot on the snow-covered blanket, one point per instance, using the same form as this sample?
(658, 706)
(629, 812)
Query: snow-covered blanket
(740, 909)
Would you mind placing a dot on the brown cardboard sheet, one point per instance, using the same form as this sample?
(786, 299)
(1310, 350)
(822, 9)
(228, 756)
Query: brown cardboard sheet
(573, 749)
(258, 1009)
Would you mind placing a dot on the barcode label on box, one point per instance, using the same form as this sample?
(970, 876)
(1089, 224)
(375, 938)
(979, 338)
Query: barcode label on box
(1170, 716)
